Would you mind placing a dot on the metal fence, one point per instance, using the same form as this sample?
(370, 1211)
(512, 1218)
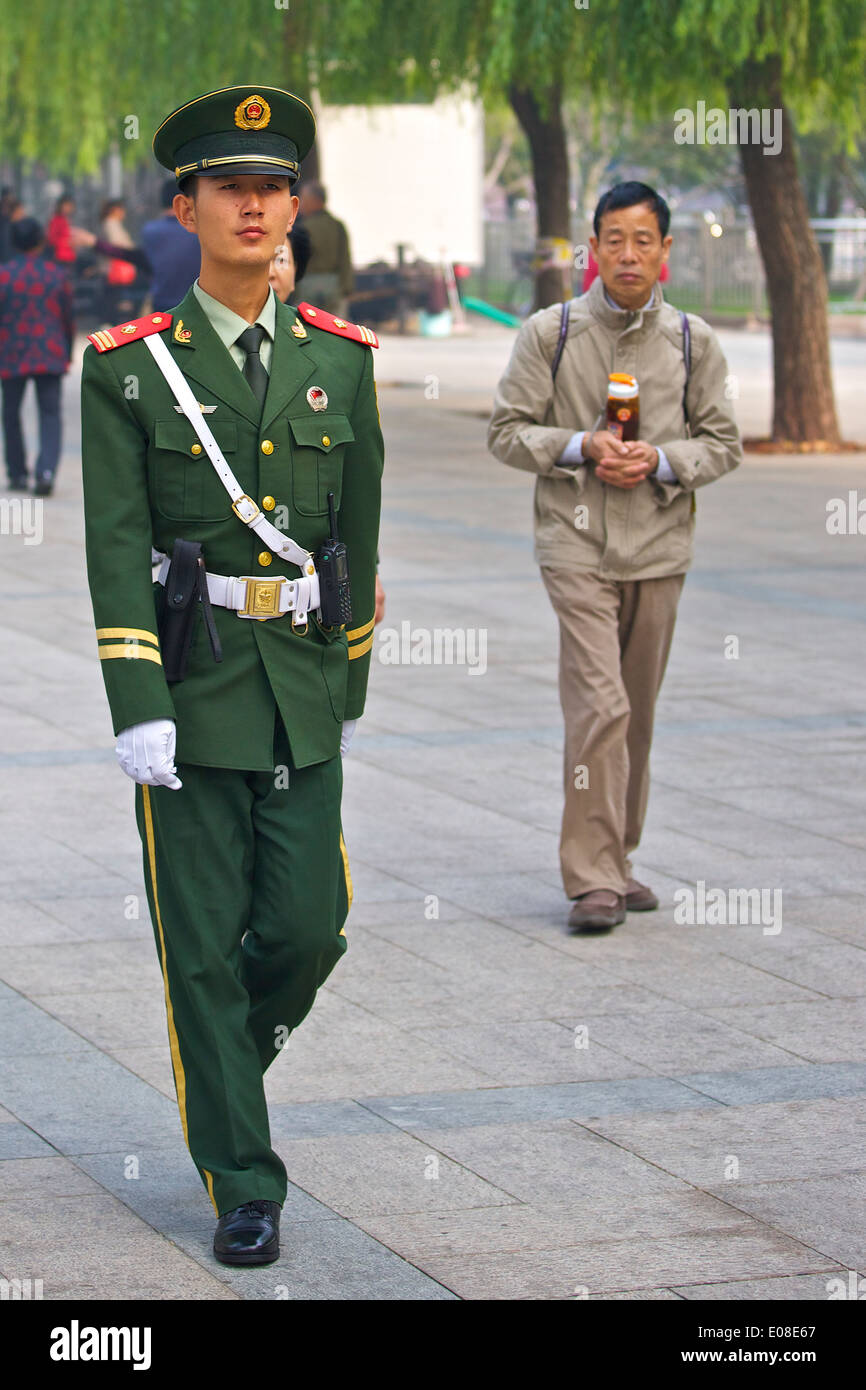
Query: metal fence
(715, 266)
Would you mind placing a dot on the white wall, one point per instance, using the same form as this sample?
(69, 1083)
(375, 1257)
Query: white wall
(406, 173)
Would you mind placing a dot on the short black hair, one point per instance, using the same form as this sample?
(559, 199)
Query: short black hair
(302, 249)
(187, 186)
(26, 233)
(168, 193)
(629, 195)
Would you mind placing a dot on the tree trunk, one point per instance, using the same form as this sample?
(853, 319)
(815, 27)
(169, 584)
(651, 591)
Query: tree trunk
(542, 122)
(296, 41)
(804, 410)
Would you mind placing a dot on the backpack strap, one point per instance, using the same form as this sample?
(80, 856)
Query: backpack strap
(687, 355)
(563, 333)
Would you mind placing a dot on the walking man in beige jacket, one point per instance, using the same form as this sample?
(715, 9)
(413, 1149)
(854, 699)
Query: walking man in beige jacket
(614, 522)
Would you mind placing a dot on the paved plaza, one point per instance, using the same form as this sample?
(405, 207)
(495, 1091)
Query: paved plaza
(480, 1105)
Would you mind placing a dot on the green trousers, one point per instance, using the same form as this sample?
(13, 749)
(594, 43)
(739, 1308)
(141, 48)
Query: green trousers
(249, 887)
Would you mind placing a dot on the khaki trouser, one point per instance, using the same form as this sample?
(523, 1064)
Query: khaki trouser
(614, 642)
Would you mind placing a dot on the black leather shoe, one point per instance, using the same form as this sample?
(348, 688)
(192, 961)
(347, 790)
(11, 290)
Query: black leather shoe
(249, 1235)
(44, 485)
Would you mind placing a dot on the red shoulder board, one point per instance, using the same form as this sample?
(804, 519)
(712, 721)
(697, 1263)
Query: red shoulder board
(103, 339)
(320, 318)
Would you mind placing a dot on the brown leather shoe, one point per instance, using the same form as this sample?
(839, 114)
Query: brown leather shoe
(598, 910)
(639, 898)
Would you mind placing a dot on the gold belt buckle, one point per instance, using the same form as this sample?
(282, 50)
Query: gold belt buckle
(262, 597)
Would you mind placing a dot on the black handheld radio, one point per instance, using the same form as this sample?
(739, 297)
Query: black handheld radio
(332, 563)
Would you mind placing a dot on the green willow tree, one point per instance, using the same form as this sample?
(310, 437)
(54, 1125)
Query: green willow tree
(804, 59)
(71, 75)
(650, 59)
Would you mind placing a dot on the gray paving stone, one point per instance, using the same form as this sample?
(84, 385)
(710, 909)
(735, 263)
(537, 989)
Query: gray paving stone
(18, 1141)
(96, 1242)
(101, 918)
(359, 1174)
(762, 1084)
(334, 1260)
(596, 1267)
(793, 1287)
(551, 1163)
(27, 1030)
(150, 1064)
(43, 1177)
(318, 1065)
(533, 1052)
(324, 1117)
(110, 1019)
(828, 1214)
(83, 966)
(819, 1031)
(796, 1139)
(525, 1104)
(162, 1186)
(82, 1102)
(668, 1040)
(595, 1213)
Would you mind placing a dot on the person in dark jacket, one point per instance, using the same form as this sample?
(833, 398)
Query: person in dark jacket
(36, 333)
(174, 254)
(168, 253)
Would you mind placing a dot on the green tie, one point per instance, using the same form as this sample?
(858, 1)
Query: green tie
(254, 372)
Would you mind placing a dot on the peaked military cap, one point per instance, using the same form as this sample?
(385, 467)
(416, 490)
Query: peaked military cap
(237, 130)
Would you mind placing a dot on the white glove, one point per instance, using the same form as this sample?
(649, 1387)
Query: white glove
(346, 735)
(146, 753)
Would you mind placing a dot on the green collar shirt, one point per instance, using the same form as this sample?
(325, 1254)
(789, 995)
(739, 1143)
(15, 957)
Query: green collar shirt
(228, 325)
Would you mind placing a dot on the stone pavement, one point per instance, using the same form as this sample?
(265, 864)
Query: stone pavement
(480, 1105)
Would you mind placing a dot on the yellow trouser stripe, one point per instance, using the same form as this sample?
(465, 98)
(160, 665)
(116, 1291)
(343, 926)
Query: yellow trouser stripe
(209, 1180)
(139, 632)
(349, 890)
(362, 648)
(360, 631)
(176, 1063)
(130, 650)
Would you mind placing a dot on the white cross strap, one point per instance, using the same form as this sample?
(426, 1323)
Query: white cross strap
(243, 506)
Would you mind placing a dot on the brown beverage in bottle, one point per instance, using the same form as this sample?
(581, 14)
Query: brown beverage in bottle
(623, 406)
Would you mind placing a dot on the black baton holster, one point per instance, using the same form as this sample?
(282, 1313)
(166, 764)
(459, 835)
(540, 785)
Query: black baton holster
(185, 588)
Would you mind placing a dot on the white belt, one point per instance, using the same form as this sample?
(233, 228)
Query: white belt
(254, 597)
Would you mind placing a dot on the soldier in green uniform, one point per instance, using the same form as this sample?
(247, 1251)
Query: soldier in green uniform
(238, 764)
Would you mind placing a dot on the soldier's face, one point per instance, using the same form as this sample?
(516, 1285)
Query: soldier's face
(240, 219)
(630, 252)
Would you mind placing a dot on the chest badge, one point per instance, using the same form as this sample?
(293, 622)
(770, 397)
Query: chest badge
(205, 409)
(317, 398)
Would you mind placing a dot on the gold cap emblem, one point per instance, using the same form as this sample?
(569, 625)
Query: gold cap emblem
(253, 113)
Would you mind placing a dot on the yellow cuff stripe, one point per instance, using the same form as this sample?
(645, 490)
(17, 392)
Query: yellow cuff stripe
(138, 632)
(361, 649)
(130, 650)
(361, 631)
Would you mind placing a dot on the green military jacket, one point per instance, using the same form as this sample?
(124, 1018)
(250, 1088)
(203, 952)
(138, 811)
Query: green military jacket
(147, 481)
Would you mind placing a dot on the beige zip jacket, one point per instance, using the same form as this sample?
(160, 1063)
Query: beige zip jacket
(581, 523)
